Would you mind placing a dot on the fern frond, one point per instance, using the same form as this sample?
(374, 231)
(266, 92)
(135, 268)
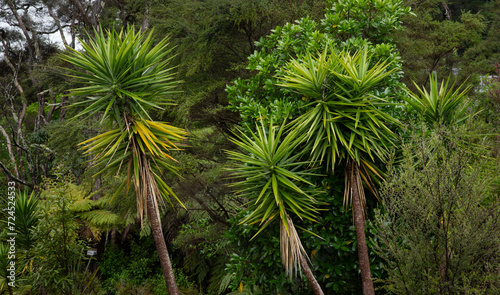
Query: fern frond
(81, 205)
(100, 217)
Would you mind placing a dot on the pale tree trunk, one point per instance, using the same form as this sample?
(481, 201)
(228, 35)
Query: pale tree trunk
(161, 246)
(9, 149)
(18, 137)
(58, 24)
(145, 19)
(310, 276)
(359, 224)
(34, 157)
(446, 11)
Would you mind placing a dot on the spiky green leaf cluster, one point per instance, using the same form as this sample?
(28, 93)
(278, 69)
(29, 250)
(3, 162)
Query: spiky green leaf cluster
(26, 218)
(345, 120)
(124, 73)
(271, 177)
(4, 264)
(442, 104)
(274, 181)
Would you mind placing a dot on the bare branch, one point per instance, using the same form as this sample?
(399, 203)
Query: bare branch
(9, 174)
(22, 25)
(9, 149)
(58, 24)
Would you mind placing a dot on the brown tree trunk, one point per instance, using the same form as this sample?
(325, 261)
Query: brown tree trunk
(446, 11)
(310, 277)
(359, 223)
(161, 247)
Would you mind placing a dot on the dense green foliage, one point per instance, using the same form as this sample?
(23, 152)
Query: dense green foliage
(258, 97)
(439, 227)
(56, 260)
(447, 41)
(260, 264)
(135, 269)
(232, 59)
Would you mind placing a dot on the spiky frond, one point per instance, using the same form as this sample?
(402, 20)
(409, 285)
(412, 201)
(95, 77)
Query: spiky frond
(26, 218)
(123, 73)
(275, 183)
(126, 76)
(4, 264)
(345, 120)
(442, 104)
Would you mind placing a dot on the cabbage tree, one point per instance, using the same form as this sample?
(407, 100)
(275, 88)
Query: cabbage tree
(274, 181)
(344, 125)
(124, 77)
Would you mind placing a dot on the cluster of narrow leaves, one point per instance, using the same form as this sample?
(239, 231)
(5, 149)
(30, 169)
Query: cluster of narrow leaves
(345, 120)
(274, 181)
(442, 104)
(26, 217)
(122, 72)
(124, 147)
(126, 76)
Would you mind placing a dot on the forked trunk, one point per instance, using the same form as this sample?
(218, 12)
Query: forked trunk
(359, 224)
(310, 277)
(161, 247)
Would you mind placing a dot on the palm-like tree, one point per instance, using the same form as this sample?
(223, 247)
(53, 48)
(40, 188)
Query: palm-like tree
(125, 76)
(344, 125)
(275, 183)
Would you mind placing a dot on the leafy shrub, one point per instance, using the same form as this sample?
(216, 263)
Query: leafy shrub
(439, 231)
(203, 249)
(57, 263)
(136, 268)
(489, 98)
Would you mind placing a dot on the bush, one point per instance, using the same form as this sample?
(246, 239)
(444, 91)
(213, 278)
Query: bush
(56, 257)
(136, 270)
(439, 229)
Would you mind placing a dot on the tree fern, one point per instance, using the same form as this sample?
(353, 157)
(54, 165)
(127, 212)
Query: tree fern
(100, 217)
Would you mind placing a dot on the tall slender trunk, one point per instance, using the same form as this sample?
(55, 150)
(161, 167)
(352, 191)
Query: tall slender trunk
(359, 224)
(161, 246)
(310, 277)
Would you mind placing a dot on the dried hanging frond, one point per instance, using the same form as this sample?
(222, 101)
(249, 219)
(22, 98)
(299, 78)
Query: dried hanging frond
(291, 248)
